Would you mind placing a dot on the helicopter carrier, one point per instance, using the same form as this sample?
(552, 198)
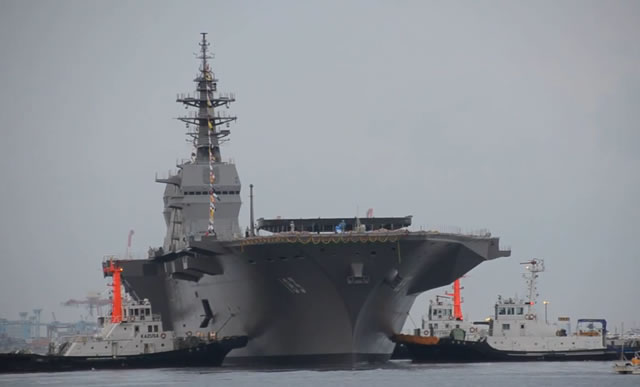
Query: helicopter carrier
(316, 291)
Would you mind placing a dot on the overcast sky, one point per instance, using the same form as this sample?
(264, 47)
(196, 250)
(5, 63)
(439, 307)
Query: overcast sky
(520, 117)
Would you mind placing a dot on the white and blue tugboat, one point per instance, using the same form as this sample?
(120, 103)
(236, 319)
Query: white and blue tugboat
(514, 333)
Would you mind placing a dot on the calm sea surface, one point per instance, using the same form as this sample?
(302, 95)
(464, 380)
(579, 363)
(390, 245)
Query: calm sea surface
(395, 374)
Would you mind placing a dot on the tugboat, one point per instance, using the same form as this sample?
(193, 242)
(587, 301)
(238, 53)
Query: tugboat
(515, 333)
(133, 337)
(443, 320)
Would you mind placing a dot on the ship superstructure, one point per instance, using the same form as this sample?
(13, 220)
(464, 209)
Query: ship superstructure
(516, 325)
(445, 314)
(312, 290)
(205, 190)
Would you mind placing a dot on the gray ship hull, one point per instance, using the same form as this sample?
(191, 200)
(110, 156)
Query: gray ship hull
(324, 299)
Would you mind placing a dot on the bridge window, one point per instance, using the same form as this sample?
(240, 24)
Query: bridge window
(520, 310)
(502, 311)
(149, 329)
(510, 310)
(155, 328)
(147, 312)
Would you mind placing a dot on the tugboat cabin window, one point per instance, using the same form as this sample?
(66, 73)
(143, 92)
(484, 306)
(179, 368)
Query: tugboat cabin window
(520, 310)
(149, 329)
(155, 328)
(505, 327)
(136, 329)
(510, 310)
(502, 311)
(136, 312)
(147, 312)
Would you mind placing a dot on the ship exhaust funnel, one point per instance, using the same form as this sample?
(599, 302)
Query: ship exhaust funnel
(253, 223)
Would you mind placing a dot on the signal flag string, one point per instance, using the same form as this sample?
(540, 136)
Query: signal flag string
(212, 177)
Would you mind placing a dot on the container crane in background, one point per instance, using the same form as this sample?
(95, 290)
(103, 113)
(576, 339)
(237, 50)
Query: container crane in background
(56, 329)
(92, 302)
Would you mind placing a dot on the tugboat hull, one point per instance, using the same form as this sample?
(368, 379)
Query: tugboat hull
(457, 351)
(201, 355)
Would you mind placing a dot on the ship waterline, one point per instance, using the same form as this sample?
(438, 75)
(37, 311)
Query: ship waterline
(334, 299)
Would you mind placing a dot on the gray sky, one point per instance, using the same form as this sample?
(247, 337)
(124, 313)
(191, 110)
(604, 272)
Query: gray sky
(519, 117)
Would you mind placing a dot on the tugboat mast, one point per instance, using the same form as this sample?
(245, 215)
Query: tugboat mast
(457, 300)
(533, 267)
(116, 304)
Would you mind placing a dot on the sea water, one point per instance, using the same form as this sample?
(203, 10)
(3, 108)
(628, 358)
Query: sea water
(395, 373)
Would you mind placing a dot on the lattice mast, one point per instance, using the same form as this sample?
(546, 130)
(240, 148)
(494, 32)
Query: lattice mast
(533, 267)
(206, 120)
